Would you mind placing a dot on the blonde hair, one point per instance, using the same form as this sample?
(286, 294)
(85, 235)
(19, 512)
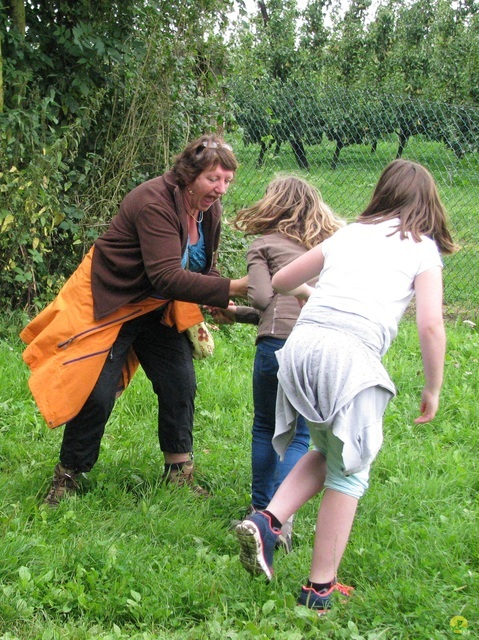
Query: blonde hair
(291, 206)
(406, 190)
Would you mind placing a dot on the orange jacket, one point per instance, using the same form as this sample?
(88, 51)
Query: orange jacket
(67, 347)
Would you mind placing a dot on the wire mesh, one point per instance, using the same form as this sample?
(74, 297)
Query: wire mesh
(342, 139)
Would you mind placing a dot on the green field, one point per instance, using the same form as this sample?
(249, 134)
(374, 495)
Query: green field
(134, 560)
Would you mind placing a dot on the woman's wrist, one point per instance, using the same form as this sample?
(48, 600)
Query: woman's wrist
(239, 288)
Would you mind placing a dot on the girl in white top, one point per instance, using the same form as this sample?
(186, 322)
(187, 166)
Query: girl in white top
(330, 368)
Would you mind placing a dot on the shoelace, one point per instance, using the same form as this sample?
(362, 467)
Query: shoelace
(343, 589)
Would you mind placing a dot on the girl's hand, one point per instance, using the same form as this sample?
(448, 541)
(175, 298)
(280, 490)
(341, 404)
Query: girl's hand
(429, 406)
(302, 294)
(224, 316)
(305, 268)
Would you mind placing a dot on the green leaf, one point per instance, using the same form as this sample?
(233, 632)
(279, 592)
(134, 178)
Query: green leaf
(25, 575)
(268, 606)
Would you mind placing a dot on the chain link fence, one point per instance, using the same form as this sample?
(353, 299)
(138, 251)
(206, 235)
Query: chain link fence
(342, 139)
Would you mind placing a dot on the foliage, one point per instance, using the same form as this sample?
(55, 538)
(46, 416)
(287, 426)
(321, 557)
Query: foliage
(97, 97)
(96, 100)
(65, 56)
(133, 560)
(38, 238)
(298, 112)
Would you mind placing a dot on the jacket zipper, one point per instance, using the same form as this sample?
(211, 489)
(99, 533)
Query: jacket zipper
(89, 355)
(66, 343)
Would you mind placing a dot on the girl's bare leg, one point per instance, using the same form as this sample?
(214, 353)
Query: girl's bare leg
(333, 526)
(304, 481)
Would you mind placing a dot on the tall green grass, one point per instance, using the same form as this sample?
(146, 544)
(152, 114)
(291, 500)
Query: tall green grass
(132, 559)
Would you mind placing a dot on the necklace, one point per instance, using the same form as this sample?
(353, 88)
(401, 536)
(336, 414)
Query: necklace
(199, 220)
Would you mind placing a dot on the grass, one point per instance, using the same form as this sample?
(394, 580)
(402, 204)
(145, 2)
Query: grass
(131, 559)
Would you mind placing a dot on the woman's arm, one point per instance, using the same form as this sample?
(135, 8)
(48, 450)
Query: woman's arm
(239, 288)
(308, 266)
(432, 338)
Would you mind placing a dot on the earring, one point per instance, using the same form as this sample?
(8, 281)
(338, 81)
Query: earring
(190, 191)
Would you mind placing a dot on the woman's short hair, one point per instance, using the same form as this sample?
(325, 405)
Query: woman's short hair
(210, 150)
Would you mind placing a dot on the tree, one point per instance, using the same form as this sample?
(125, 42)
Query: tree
(14, 11)
(454, 50)
(273, 49)
(96, 98)
(414, 47)
(348, 45)
(380, 73)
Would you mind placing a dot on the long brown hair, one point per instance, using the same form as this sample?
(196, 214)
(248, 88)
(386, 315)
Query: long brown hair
(406, 190)
(291, 206)
(210, 150)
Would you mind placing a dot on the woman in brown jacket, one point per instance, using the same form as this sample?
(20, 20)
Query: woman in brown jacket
(161, 246)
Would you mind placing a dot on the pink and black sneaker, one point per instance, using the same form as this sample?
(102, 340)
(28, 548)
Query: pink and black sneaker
(321, 601)
(257, 538)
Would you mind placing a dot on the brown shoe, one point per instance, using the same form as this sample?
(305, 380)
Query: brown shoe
(65, 482)
(183, 477)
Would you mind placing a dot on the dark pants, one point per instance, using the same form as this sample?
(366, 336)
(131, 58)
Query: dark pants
(165, 356)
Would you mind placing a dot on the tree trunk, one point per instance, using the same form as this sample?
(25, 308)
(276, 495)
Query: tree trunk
(337, 151)
(1, 75)
(299, 152)
(17, 14)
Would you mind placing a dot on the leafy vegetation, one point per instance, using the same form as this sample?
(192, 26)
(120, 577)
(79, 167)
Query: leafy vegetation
(95, 98)
(132, 559)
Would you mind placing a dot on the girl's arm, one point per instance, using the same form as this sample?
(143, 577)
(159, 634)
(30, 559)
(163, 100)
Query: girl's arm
(432, 337)
(234, 313)
(308, 266)
(260, 290)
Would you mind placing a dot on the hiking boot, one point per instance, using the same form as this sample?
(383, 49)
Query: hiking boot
(321, 601)
(65, 483)
(285, 538)
(257, 540)
(183, 477)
